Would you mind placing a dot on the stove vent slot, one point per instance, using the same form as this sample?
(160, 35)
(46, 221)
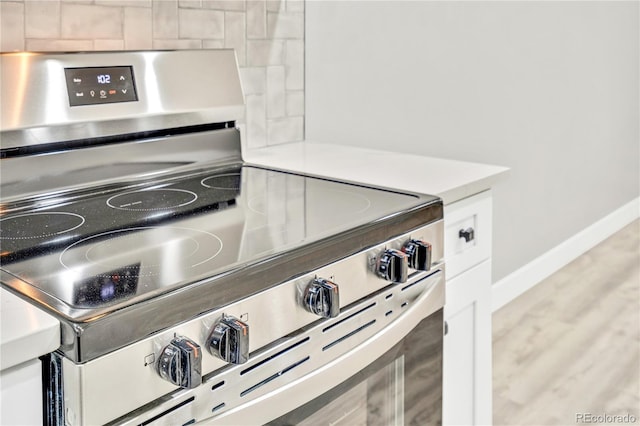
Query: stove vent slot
(347, 318)
(276, 365)
(346, 336)
(272, 357)
(420, 281)
(217, 385)
(218, 407)
(274, 376)
(218, 391)
(171, 410)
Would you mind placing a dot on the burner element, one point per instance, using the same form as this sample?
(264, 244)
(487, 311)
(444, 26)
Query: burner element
(154, 250)
(38, 225)
(152, 199)
(224, 181)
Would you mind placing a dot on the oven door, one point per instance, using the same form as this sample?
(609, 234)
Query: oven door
(391, 378)
(403, 386)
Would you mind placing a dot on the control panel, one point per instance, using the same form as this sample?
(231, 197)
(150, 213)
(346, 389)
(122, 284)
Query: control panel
(228, 337)
(249, 331)
(100, 85)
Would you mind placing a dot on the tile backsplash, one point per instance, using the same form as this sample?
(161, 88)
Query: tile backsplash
(268, 36)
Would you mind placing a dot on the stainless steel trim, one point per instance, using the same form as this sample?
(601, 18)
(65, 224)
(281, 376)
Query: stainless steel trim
(35, 104)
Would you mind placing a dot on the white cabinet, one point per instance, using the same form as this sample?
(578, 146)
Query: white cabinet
(21, 394)
(26, 333)
(467, 386)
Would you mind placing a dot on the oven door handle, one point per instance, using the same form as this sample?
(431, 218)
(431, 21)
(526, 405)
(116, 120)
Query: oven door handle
(306, 388)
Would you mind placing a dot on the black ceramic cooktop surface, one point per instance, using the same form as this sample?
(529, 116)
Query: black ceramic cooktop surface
(115, 245)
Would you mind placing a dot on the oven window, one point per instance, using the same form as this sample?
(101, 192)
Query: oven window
(378, 399)
(403, 387)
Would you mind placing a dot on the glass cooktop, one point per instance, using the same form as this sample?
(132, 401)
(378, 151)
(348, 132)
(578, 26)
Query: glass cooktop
(113, 246)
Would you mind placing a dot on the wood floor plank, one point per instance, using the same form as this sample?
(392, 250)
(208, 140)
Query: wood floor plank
(571, 344)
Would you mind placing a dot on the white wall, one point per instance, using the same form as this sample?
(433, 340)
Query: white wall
(549, 89)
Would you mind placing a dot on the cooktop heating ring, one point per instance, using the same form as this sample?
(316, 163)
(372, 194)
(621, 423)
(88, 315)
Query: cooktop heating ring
(226, 181)
(53, 223)
(115, 244)
(152, 199)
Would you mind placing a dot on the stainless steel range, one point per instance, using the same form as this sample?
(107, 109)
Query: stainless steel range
(193, 287)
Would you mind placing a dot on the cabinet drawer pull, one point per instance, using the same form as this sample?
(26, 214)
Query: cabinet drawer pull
(468, 234)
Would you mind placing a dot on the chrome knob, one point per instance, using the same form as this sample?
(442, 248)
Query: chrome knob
(322, 298)
(180, 363)
(229, 340)
(419, 253)
(392, 265)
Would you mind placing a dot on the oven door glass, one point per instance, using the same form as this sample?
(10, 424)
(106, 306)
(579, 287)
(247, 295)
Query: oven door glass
(402, 387)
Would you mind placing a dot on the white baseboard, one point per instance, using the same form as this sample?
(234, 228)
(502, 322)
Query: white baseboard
(516, 283)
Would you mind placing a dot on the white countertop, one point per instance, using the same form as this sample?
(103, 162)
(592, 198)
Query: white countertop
(448, 179)
(26, 332)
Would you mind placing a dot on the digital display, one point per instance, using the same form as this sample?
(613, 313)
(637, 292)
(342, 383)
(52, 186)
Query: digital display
(100, 85)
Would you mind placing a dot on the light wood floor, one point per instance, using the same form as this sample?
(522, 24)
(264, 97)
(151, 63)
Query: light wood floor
(571, 345)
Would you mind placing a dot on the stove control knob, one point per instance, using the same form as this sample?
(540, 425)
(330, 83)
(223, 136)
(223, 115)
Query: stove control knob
(419, 253)
(181, 363)
(392, 265)
(321, 297)
(229, 340)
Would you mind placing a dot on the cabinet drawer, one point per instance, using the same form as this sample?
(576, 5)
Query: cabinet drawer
(467, 233)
